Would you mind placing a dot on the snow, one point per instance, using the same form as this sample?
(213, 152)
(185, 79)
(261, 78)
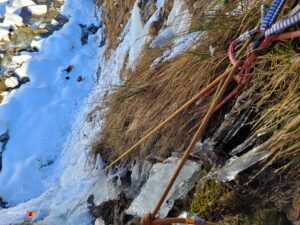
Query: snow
(11, 82)
(177, 24)
(22, 71)
(38, 9)
(13, 10)
(3, 131)
(13, 20)
(180, 45)
(176, 33)
(22, 3)
(4, 33)
(146, 202)
(139, 32)
(37, 43)
(21, 58)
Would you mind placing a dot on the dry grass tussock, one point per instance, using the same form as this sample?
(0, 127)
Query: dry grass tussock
(152, 93)
(277, 77)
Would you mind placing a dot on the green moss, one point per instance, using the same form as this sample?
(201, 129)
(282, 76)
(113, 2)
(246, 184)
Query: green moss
(212, 200)
(216, 202)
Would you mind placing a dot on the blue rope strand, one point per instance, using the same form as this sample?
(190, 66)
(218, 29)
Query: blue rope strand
(283, 24)
(272, 14)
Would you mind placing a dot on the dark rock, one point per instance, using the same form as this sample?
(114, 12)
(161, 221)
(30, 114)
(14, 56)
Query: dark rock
(87, 31)
(3, 204)
(112, 211)
(25, 14)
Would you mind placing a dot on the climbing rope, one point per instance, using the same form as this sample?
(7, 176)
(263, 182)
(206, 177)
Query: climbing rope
(272, 14)
(283, 24)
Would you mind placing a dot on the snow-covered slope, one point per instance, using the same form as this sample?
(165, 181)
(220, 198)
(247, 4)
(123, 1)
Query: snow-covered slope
(45, 163)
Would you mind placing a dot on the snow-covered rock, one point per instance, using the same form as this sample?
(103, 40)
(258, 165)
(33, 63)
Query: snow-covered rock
(19, 59)
(159, 177)
(37, 43)
(54, 22)
(22, 3)
(22, 71)
(99, 221)
(3, 131)
(11, 82)
(4, 34)
(38, 9)
(13, 20)
(13, 10)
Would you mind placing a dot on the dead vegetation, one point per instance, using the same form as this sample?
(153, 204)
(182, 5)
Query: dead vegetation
(152, 93)
(116, 15)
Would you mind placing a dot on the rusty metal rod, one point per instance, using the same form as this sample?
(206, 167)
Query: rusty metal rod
(196, 137)
(178, 220)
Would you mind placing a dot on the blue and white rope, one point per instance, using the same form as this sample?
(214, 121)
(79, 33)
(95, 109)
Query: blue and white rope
(272, 14)
(283, 24)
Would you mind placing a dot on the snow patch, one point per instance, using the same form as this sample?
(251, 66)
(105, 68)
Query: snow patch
(19, 59)
(38, 9)
(177, 24)
(11, 82)
(13, 20)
